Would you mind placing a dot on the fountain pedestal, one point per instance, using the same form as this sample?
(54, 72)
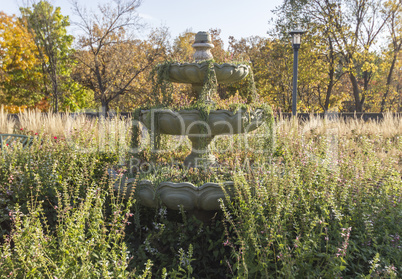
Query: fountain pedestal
(201, 155)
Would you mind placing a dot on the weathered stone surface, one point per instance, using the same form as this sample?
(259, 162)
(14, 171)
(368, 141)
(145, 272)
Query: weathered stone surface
(189, 122)
(173, 195)
(195, 73)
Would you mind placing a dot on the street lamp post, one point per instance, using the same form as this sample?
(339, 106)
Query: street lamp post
(296, 39)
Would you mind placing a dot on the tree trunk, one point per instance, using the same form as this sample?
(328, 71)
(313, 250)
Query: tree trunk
(55, 94)
(330, 86)
(388, 84)
(105, 106)
(356, 93)
(331, 73)
(56, 100)
(328, 95)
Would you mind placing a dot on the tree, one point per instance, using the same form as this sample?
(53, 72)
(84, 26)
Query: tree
(48, 28)
(108, 51)
(350, 30)
(320, 16)
(219, 53)
(394, 25)
(19, 75)
(356, 33)
(355, 27)
(319, 68)
(125, 71)
(182, 49)
(269, 63)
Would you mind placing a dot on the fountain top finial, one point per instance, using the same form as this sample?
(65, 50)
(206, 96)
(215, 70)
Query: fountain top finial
(203, 37)
(203, 45)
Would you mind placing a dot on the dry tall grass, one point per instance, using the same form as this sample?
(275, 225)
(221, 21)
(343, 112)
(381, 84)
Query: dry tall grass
(390, 126)
(63, 125)
(6, 125)
(52, 123)
(347, 132)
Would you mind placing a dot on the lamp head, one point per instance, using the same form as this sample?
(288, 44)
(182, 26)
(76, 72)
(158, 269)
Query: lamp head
(296, 36)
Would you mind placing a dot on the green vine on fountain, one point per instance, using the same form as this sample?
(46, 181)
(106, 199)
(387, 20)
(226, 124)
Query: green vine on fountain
(163, 99)
(210, 84)
(135, 130)
(162, 84)
(202, 74)
(201, 120)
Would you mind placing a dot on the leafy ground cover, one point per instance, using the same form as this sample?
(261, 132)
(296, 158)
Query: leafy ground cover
(326, 203)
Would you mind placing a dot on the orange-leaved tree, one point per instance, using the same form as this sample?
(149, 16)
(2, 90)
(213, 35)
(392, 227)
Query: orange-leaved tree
(20, 76)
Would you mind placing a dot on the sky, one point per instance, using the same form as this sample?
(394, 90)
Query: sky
(238, 18)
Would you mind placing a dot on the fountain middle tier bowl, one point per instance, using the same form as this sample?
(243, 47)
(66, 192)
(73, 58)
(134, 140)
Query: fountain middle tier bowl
(191, 123)
(195, 73)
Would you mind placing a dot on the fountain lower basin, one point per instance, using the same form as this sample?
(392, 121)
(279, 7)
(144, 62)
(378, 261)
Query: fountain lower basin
(175, 195)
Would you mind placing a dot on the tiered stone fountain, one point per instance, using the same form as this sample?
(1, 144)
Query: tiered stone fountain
(200, 131)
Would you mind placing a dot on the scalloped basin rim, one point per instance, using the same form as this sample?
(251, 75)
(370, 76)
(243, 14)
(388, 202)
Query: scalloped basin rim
(204, 64)
(184, 184)
(219, 121)
(195, 73)
(190, 111)
(191, 185)
(185, 194)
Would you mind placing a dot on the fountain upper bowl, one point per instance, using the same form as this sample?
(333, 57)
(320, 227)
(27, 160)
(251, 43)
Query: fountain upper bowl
(195, 73)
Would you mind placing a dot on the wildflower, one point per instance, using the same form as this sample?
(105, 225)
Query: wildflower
(55, 138)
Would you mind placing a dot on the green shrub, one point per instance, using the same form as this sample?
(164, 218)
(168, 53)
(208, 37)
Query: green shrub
(165, 236)
(325, 205)
(312, 215)
(84, 244)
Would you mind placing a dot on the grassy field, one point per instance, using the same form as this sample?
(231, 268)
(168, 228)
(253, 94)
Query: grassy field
(325, 203)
